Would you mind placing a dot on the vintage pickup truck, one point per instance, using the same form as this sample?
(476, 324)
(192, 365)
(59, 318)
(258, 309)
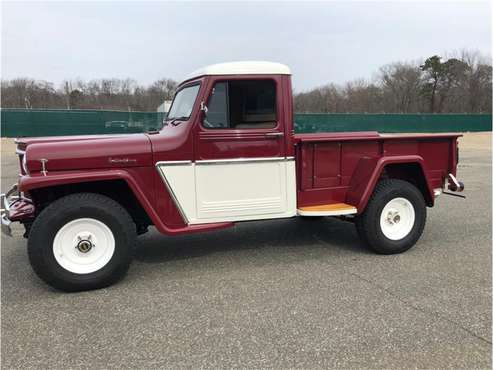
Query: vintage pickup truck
(226, 153)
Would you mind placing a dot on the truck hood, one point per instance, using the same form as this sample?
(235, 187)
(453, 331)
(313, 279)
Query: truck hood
(23, 142)
(63, 153)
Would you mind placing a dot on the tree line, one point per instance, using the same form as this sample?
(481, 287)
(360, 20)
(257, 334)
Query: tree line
(461, 83)
(110, 94)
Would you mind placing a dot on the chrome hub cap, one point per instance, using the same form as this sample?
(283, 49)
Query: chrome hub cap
(85, 245)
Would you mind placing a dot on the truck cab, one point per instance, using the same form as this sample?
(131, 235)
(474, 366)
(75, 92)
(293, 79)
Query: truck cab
(237, 150)
(227, 152)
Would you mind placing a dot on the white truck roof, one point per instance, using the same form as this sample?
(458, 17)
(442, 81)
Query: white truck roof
(241, 68)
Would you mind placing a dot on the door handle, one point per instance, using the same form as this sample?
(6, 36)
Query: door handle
(274, 134)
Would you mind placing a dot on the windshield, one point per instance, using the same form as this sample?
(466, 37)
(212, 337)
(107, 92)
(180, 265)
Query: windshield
(183, 103)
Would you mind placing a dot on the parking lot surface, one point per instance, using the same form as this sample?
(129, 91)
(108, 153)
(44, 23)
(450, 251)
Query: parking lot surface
(275, 294)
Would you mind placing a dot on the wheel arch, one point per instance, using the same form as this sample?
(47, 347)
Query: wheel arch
(33, 184)
(370, 170)
(117, 186)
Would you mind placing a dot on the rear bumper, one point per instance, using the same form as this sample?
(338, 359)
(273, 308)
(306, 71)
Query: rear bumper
(454, 184)
(450, 183)
(14, 207)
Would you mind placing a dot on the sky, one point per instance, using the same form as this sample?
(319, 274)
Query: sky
(322, 42)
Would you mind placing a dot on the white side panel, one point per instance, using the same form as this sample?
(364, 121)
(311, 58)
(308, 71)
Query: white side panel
(291, 187)
(236, 190)
(180, 181)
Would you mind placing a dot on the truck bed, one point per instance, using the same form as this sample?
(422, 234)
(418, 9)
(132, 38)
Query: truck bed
(330, 165)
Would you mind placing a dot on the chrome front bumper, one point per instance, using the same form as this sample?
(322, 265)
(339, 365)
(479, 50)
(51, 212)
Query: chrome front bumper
(6, 201)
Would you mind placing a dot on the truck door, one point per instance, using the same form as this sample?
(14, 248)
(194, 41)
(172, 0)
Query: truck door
(241, 168)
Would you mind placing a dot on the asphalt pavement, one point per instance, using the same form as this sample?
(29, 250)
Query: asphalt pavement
(282, 294)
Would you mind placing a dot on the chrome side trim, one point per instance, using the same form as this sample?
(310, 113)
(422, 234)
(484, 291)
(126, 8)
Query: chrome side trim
(244, 160)
(170, 189)
(168, 163)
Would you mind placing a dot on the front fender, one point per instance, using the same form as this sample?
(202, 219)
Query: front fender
(38, 181)
(369, 170)
(147, 201)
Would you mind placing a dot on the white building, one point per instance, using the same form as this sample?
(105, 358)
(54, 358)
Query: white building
(164, 108)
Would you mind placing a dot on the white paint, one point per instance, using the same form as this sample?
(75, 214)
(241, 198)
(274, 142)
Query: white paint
(349, 211)
(233, 190)
(241, 68)
(179, 177)
(67, 238)
(397, 218)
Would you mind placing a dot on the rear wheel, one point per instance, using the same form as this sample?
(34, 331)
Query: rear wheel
(82, 241)
(394, 218)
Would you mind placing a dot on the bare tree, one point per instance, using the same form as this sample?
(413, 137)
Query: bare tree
(401, 84)
(460, 82)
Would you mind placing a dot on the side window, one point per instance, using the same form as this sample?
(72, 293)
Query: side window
(242, 104)
(217, 113)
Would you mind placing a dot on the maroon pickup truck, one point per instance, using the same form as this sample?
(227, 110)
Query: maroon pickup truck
(226, 153)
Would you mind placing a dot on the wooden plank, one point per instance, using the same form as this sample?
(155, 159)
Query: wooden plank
(328, 207)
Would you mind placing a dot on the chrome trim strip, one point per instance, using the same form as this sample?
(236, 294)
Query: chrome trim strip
(172, 193)
(168, 163)
(244, 160)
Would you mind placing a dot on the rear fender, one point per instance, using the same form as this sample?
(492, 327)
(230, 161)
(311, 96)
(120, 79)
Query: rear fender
(369, 170)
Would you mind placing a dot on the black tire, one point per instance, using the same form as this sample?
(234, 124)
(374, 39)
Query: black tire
(311, 218)
(72, 207)
(368, 223)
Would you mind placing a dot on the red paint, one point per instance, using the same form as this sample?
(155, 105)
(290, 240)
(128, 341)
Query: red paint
(369, 171)
(330, 167)
(99, 152)
(241, 143)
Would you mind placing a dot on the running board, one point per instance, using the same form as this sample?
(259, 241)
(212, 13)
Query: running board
(335, 209)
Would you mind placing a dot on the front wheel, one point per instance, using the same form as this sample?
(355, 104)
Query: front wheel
(82, 241)
(394, 218)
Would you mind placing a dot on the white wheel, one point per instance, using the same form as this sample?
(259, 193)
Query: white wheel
(83, 246)
(397, 218)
